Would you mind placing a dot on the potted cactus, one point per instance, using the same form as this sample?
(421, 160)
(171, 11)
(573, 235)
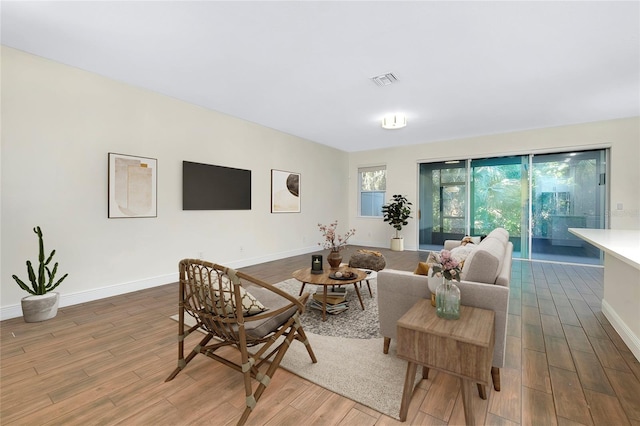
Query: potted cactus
(396, 212)
(42, 303)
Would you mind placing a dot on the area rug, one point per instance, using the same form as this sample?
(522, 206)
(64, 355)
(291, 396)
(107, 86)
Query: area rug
(352, 323)
(348, 347)
(354, 368)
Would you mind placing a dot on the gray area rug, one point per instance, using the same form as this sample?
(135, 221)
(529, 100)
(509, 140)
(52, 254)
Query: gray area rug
(352, 323)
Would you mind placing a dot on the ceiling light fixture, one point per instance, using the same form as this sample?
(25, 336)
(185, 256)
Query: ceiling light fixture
(394, 121)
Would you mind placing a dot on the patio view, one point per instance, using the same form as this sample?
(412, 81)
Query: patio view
(535, 197)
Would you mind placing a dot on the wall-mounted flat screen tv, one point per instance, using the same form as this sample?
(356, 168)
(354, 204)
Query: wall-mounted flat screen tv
(210, 187)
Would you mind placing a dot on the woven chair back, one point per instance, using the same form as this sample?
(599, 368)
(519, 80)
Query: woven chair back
(212, 296)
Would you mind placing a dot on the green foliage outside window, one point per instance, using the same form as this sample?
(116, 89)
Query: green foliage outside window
(373, 185)
(497, 199)
(373, 180)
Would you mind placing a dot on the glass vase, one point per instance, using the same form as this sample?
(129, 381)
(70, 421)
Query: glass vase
(448, 300)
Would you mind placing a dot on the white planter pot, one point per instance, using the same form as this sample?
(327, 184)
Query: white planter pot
(41, 307)
(397, 244)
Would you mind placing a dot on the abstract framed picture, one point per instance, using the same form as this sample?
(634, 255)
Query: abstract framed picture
(132, 186)
(285, 192)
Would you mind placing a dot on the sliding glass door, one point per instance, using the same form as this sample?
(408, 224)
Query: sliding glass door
(537, 198)
(443, 202)
(499, 188)
(568, 191)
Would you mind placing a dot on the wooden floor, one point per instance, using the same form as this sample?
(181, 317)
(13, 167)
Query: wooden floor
(104, 363)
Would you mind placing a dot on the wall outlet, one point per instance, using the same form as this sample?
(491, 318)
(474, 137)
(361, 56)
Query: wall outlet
(241, 249)
(619, 206)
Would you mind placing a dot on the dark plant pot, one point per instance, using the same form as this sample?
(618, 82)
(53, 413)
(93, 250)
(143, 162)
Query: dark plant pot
(40, 307)
(335, 259)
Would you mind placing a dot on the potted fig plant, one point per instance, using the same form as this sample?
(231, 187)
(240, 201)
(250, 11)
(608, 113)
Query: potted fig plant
(396, 212)
(42, 303)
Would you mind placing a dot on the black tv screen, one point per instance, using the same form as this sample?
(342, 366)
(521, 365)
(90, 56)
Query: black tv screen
(210, 187)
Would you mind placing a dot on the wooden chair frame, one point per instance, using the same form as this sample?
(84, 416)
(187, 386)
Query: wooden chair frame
(225, 325)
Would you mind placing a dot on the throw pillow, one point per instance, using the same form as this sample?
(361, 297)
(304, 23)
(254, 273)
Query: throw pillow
(422, 269)
(250, 305)
(460, 253)
(473, 240)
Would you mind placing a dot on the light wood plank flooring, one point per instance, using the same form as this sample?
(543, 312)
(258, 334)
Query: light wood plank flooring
(104, 363)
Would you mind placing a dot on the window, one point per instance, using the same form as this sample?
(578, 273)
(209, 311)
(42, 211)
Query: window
(444, 201)
(373, 186)
(536, 197)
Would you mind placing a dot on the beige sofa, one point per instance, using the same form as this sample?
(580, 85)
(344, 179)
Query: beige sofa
(485, 279)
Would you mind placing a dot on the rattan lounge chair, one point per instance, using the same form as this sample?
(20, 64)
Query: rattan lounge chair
(220, 300)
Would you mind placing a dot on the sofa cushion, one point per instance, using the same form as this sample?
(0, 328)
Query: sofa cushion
(397, 292)
(484, 263)
(461, 253)
(260, 328)
(499, 233)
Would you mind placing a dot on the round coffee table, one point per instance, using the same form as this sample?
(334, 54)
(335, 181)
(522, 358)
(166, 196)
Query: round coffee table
(306, 277)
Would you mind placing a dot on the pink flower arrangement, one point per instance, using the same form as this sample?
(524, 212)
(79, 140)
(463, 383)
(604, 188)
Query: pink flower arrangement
(443, 264)
(333, 241)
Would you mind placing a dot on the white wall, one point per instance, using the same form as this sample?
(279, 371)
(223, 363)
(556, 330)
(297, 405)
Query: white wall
(59, 123)
(622, 136)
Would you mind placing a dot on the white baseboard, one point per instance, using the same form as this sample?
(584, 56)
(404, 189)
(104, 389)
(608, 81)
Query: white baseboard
(271, 257)
(408, 246)
(14, 311)
(632, 341)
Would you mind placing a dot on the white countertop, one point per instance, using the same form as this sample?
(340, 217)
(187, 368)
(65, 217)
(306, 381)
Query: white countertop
(621, 243)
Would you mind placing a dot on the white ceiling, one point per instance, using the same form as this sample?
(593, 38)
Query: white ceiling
(304, 67)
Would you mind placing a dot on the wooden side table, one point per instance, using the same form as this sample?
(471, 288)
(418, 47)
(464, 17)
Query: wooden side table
(461, 347)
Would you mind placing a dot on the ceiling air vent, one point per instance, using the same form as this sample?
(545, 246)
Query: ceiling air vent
(385, 79)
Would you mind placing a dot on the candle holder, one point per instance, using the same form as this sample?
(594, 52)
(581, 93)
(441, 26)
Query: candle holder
(316, 264)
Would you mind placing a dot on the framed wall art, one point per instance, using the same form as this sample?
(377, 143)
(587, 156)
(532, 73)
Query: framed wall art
(285, 192)
(132, 186)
